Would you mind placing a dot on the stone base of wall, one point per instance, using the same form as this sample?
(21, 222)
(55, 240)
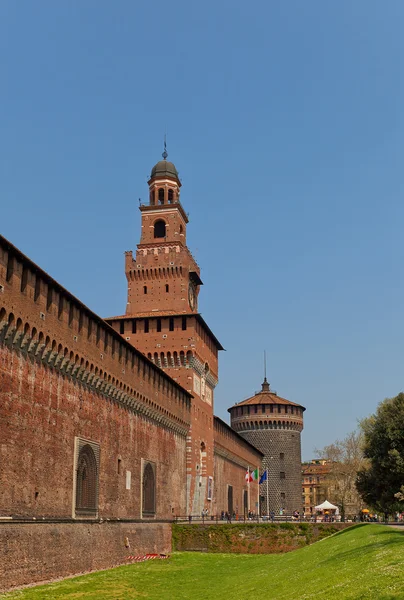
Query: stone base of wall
(39, 552)
(251, 538)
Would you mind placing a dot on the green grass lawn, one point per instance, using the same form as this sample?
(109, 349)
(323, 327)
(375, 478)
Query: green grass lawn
(362, 562)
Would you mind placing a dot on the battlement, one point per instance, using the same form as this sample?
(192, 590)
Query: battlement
(39, 317)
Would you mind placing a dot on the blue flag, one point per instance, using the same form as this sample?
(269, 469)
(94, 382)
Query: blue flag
(263, 477)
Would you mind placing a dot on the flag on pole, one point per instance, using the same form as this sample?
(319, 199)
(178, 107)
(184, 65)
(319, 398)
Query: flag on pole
(247, 476)
(263, 477)
(254, 475)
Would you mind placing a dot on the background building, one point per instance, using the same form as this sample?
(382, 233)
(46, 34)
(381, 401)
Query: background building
(315, 485)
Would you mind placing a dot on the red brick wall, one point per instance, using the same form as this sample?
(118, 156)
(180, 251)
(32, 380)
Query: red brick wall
(232, 459)
(43, 551)
(42, 412)
(107, 393)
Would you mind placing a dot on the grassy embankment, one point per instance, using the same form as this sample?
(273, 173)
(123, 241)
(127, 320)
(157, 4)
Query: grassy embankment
(366, 562)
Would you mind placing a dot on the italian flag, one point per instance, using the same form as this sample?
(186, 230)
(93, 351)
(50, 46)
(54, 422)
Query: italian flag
(252, 475)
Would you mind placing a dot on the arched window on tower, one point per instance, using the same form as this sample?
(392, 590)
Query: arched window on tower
(86, 482)
(160, 229)
(149, 491)
(170, 196)
(161, 196)
(152, 197)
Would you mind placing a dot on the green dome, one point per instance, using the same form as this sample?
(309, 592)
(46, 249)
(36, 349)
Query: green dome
(164, 168)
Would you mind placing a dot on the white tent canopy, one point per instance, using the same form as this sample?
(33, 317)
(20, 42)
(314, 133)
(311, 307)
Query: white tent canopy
(326, 506)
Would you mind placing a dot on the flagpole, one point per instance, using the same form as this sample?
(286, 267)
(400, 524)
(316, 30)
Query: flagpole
(267, 495)
(248, 490)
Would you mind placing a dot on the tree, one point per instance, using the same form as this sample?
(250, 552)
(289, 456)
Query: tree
(344, 459)
(381, 482)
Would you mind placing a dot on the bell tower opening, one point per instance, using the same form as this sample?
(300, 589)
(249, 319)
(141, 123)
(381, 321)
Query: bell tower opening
(160, 229)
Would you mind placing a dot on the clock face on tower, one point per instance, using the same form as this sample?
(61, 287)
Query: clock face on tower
(191, 296)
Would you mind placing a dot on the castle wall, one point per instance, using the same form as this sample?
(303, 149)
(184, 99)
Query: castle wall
(35, 552)
(67, 376)
(233, 456)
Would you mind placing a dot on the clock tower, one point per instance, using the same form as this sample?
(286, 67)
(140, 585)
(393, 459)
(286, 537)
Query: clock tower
(163, 322)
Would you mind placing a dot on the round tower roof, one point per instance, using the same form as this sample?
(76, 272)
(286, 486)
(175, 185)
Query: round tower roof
(265, 396)
(164, 168)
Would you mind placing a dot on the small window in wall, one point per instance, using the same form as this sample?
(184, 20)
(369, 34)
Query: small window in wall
(160, 229)
(122, 327)
(171, 324)
(119, 466)
(167, 288)
(184, 323)
(146, 325)
(279, 408)
(161, 196)
(158, 325)
(134, 326)
(148, 490)
(87, 474)
(230, 500)
(210, 488)
(282, 455)
(282, 475)
(170, 196)
(181, 230)
(283, 495)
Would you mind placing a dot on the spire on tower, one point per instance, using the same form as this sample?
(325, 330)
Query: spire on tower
(265, 385)
(165, 153)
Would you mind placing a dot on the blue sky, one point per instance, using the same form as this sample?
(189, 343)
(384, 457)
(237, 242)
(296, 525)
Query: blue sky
(285, 121)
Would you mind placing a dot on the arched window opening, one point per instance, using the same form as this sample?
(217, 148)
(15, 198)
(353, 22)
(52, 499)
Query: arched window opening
(161, 196)
(145, 289)
(181, 230)
(152, 197)
(167, 288)
(149, 491)
(86, 482)
(160, 229)
(170, 196)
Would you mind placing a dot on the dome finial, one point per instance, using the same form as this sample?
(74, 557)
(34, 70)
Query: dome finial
(165, 153)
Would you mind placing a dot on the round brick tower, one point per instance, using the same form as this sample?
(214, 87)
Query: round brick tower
(273, 425)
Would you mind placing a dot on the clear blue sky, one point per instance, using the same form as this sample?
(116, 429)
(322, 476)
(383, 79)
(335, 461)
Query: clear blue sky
(285, 120)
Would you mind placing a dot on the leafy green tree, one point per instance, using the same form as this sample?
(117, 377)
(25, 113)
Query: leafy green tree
(381, 482)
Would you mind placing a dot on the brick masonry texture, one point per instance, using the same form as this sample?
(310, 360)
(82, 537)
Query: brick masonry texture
(43, 551)
(251, 537)
(274, 443)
